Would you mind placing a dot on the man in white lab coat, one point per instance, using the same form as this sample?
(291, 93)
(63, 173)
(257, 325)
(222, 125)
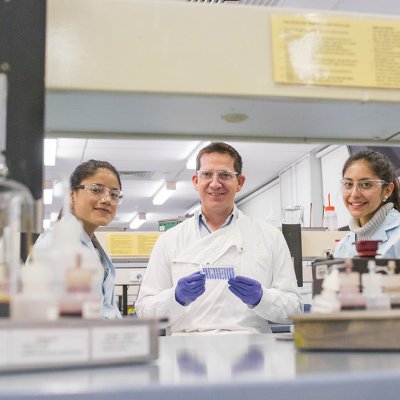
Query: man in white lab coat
(221, 239)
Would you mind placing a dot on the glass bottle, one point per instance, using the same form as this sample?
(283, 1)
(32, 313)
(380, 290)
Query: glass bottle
(16, 216)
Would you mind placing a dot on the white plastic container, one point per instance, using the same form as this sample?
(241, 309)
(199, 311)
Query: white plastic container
(330, 216)
(330, 219)
(38, 299)
(79, 273)
(372, 289)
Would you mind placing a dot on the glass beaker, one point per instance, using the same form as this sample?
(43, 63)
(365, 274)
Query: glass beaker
(16, 216)
(292, 215)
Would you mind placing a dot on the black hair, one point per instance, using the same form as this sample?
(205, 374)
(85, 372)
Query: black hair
(383, 169)
(222, 148)
(88, 169)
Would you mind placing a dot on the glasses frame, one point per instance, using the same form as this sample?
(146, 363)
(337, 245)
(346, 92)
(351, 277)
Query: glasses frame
(106, 192)
(233, 173)
(380, 182)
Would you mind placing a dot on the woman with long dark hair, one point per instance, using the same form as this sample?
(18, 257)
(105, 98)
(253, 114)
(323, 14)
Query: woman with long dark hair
(94, 199)
(370, 192)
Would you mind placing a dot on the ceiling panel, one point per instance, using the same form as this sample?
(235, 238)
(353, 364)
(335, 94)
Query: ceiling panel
(262, 162)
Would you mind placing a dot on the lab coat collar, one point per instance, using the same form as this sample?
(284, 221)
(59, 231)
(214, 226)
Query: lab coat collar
(392, 221)
(211, 247)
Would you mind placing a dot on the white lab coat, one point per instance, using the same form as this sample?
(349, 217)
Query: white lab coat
(254, 248)
(388, 233)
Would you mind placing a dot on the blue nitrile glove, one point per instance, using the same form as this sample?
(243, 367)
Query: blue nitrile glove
(190, 287)
(248, 290)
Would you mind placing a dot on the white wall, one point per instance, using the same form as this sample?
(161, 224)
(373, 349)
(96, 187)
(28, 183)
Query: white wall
(264, 204)
(332, 161)
(305, 182)
(301, 184)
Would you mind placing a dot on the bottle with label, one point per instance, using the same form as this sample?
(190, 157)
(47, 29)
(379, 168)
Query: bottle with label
(330, 216)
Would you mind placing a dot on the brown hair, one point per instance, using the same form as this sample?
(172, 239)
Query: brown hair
(89, 168)
(222, 148)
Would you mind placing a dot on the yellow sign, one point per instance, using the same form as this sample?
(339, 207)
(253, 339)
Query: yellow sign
(320, 50)
(131, 244)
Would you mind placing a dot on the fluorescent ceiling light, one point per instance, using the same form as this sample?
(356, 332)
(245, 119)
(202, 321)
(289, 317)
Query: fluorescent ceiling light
(137, 220)
(191, 161)
(164, 193)
(48, 196)
(50, 152)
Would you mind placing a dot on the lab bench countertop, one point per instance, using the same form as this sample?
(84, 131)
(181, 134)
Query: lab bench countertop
(223, 366)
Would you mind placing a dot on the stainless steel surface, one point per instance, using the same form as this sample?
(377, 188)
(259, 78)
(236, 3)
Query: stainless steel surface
(233, 366)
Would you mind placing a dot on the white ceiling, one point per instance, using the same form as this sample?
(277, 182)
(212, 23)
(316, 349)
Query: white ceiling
(154, 135)
(164, 160)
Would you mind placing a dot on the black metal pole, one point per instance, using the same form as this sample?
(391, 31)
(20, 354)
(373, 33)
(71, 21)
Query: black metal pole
(22, 59)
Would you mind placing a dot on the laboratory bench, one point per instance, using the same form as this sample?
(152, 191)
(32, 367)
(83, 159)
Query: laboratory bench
(223, 366)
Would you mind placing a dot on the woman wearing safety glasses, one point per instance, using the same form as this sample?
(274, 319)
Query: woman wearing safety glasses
(95, 196)
(370, 191)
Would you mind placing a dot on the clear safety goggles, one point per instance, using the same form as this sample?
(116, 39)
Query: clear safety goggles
(363, 186)
(100, 191)
(207, 175)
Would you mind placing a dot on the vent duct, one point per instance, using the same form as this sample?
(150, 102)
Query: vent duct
(137, 175)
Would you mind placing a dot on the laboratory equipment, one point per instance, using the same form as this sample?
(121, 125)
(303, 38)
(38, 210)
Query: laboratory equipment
(391, 284)
(16, 216)
(372, 289)
(327, 301)
(78, 272)
(292, 218)
(218, 273)
(349, 294)
(293, 215)
(367, 248)
(330, 216)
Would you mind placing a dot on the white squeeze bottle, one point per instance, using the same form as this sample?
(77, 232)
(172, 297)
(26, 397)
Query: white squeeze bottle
(330, 216)
(375, 298)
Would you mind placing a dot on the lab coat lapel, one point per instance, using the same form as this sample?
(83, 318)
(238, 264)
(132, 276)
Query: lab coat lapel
(209, 249)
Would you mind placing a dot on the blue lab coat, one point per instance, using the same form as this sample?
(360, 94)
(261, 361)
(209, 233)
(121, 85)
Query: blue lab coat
(388, 233)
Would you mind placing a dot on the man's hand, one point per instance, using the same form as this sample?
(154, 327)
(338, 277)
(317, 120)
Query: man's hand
(189, 288)
(248, 290)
